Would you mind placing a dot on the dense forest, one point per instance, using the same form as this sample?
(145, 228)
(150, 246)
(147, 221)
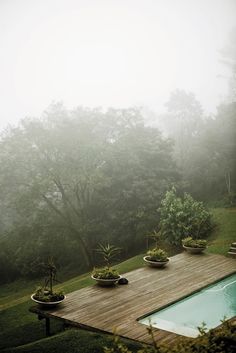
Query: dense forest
(76, 178)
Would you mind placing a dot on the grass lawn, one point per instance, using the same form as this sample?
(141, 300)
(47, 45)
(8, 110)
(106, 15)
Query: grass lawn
(225, 231)
(21, 331)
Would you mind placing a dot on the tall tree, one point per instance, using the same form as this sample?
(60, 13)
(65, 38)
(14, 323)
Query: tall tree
(212, 169)
(229, 59)
(183, 120)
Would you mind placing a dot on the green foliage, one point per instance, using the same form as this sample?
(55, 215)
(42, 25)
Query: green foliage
(51, 272)
(157, 255)
(211, 170)
(18, 326)
(221, 340)
(117, 347)
(72, 341)
(105, 273)
(75, 179)
(194, 243)
(108, 252)
(180, 218)
(204, 147)
(47, 296)
(224, 232)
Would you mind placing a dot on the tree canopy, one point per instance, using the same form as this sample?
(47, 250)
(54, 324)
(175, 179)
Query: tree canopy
(76, 178)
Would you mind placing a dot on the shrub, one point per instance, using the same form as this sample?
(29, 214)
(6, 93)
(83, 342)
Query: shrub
(182, 217)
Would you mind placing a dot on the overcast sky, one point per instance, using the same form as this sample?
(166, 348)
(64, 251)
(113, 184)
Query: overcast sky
(110, 53)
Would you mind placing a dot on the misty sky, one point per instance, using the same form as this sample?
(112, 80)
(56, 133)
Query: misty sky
(110, 53)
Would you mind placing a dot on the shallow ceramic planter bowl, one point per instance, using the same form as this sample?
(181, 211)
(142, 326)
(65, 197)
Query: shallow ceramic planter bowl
(47, 304)
(155, 263)
(106, 282)
(194, 250)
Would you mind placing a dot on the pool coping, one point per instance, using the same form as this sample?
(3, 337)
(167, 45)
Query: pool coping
(186, 296)
(185, 328)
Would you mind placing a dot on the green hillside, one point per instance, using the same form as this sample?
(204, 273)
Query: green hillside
(21, 331)
(225, 230)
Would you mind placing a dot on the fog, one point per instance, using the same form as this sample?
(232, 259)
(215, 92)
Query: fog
(111, 53)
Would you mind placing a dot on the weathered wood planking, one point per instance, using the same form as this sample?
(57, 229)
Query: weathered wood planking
(119, 307)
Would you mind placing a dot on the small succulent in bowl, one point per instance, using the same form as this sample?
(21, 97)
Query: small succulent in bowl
(194, 243)
(194, 246)
(46, 295)
(106, 273)
(156, 257)
(106, 276)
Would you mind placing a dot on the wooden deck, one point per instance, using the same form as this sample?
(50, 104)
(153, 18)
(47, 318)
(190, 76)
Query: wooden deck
(119, 307)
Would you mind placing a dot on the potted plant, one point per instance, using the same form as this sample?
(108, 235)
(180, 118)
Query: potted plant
(45, 295)
(156, 257)
(106, 276)
(194, 246)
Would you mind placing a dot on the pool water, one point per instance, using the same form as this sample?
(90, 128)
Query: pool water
(210, 305)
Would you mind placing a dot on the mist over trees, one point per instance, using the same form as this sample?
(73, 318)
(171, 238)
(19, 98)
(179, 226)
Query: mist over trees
(77, 178)
(204, 147)
(228, 58)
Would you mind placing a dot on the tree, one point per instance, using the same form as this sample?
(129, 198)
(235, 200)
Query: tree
(183, 120)
(211, 172)
(140, 170)
(229, 59)
(223, 134)
(74, 179)
(183, 217)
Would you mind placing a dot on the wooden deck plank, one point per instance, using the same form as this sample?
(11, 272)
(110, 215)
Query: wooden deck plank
(149, 289)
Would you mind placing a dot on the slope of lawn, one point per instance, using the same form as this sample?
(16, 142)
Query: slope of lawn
(21, 331)
(225, 230)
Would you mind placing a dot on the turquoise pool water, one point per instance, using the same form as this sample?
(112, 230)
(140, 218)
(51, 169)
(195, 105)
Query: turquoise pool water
(209, 305)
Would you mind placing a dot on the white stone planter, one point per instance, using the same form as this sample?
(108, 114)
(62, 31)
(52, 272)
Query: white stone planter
(192, 250)
(47, 304)
(155, 263)
(105, 282)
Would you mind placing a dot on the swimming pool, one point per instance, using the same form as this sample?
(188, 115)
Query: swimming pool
(209, 305)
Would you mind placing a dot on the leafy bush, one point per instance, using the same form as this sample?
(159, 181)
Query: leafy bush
(182, 217)
(194, 243)
(157, 255)
(105, 273)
